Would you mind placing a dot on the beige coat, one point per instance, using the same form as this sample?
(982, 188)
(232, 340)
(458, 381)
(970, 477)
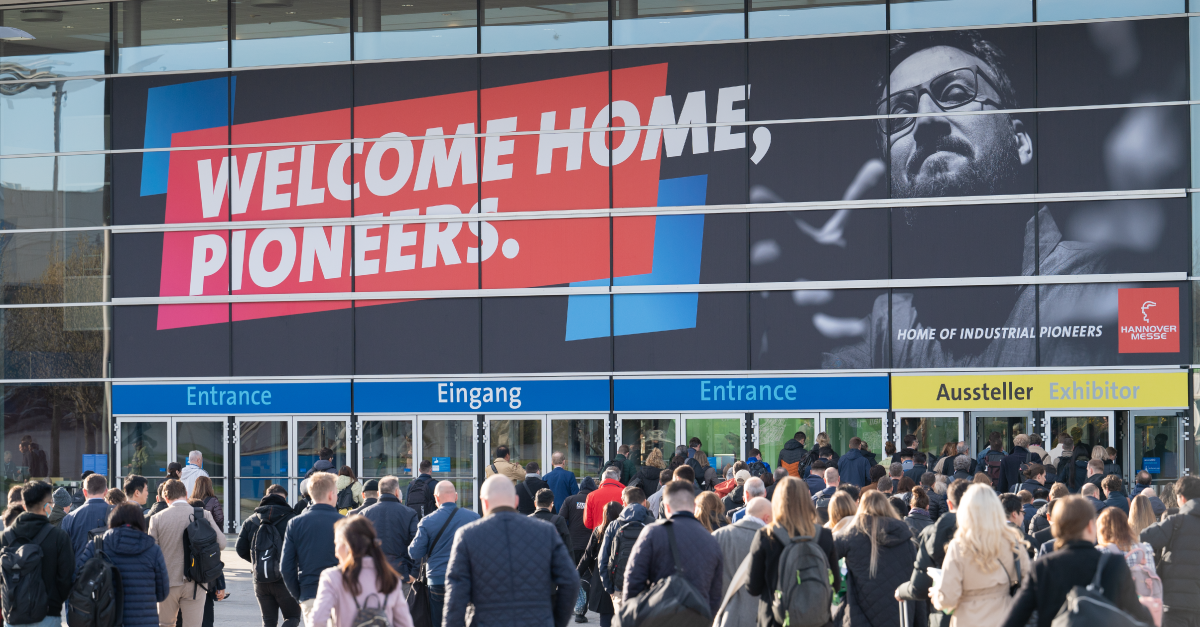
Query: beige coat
(506, 468)
(978, 598)
(167, 526)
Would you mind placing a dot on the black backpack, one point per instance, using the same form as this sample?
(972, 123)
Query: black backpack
(622, 547)
(97, 598)
(22, 591)
(201, 553)
(267, 549)
(345, 498)
(756, 468)
(992, 462)
(418, 497)
(672, 601)
(1087, 607)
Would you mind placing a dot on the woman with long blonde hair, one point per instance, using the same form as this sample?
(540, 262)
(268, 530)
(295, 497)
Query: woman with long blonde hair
(710, 511)
(1141, 514)
(648, 473)
(879, 554)
(792, 516)
(841, 511)
(983, 562)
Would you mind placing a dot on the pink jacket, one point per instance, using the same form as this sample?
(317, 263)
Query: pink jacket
(334, 601)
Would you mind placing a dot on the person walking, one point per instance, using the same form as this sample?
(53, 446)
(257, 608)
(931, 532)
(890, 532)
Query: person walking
(1113, 534)
(793, 455)
(574, 508)
(710, 511)
(1141, 515)
(1073, 562)
(370, 496)
(608, 492)
(1176, 540)
(272, 596)
(349, 491)
(1114, 490)
(736, 497)
(1010, 465)
(58, 555)
(91, 515)
(652, 557)
(544, 500)
(62, 507)
(435, 537)
(984, 561)
(202, 492)
(526, 489)
(139, 560)
(362, 579)
(1142, 486)
(324, 463)
(754, 488)
(654, 501)
(853, 467)
(308, 543)
(879, 555)
(735, 541)
(531, 587)
(503, 465)
(396, 525)
(562, 481)
(614, 550)
(625, 463)
(792, 516)
(931, 553)
(193, 469)
(647, 477)
(591, 567)
(419, 495)
(918, 517)
(167, 529)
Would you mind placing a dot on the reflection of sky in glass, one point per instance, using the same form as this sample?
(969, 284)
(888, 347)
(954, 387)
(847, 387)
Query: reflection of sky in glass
(79, 173)
(27, 119)
(399, 44)
(1054, 10)
(675, 28)
(175, 57)
(248, 51)
(938, 13)
(546, 36)
(61, 63)
(783, 22)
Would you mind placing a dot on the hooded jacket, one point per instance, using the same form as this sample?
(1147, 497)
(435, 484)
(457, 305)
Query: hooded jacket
(917, 520)
(632, 513)
(272, 509)
(322, 465)
(855, 468)
(143, 572)
(609, 491)
(647, 479)
(58, 557)
(870, 600)
(573, 509)
(188, 476)
(1053, 576)
(815, 484)
(792, 458)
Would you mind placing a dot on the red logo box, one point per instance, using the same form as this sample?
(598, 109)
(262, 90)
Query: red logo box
(1148, 320)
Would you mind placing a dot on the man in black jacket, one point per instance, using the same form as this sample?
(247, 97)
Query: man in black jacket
(1177, 540)
(919, 468)
(58, 555)
(573, 508)
(793, 456)
(1010, 467)
(273, 597)
(324, 463)
(419, 496)
(308, 544)
(395, 525)
(370, 496)
(931, 551)
(545, 500)
(529, 487)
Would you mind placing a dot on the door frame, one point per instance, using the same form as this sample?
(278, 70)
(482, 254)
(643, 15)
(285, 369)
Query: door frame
(173, 447)
(548, 431)
(358, 437)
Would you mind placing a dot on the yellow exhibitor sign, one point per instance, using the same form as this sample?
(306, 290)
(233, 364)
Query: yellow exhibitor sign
(1072, 390)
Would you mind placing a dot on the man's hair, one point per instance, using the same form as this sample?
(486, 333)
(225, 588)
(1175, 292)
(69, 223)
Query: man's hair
(961, 463)
(1112, 483)
(850, 489)
(1188, 487)
(425, 466)
(664, 476)
(34, 492)
(325, 453)
(134, 483)
(855, 442)
(876, 473)
(1011, 503)
(884, 485)
(387, 485)
(920, 458)
(1026, 497)
(623, 449)
(275, 488)
(1071, 517)
(173, 490)
(1041, 493)
(928, 479)
(909, 440)
(956, 490)
(694, 442)
(995, 440)
(685, 473)
(896, 469)
(115, 496)
(754, 487)
(532, 467)
(825, 452)
(197, 455)
(320, 485)
(1090, 489)
(1021, 440)
(1058, 490)
(501, 452)
(754, 453)
(995, 64)
(545, 497)
(820, 465)
(962, 448)
(1144, 478)
(1096, 465)
(800, 437)
(612, 472)
(1034, 470)
(86, 474)
(679, 495)
(634, 494)
(96, 485)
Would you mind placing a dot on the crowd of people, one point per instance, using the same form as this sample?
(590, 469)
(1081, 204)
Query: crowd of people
(820, 539)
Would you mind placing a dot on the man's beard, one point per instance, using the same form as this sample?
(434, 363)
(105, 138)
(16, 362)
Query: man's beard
(993, 172)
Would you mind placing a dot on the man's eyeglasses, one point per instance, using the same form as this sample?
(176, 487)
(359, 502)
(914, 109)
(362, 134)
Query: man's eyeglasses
(954, 89)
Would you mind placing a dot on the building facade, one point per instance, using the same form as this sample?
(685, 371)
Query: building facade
(421, 229)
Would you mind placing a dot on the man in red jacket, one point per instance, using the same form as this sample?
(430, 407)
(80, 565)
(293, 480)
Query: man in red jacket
(609, 491)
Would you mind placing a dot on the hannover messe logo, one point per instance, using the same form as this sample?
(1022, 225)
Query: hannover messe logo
(1148, 320)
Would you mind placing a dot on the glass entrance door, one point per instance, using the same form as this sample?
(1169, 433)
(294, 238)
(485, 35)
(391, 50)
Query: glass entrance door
(1156, 446)
(935, 432)
(449, 443)
(1087, 429)
(1008, 424)
(206, 435)
(386, 447)
(580, 439)
(144, 448)
(315, 433)
(645, 432)
(522, 434)
(841, 428)
(264, 459)
(721, 437)
(772, 431)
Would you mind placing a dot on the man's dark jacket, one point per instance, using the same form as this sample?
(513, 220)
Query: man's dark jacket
(701, 558)
(931, 551)
(815, 484)
(528, 489)
(58, 556)
(559, 523)
(322, 465)
(308, 550)
(937, 504)
(793, 453)
(854, 468)
(514, 570)
(734, 499)
(915, 473)
(1177, 540)
(1010, 468)
(77, 524)
(1119, 501)
(1073, 565)
(573, 508)
(366, 503)
(395, 525)
(429, 505)
(272, 509)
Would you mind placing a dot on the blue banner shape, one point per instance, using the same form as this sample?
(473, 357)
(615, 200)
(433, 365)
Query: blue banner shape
(481, 397)
(233, 398)
(752, 394)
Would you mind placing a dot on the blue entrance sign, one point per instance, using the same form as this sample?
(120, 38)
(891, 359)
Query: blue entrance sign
(479, 397)
(232, 398)
(441, 464)
(752, 394)
(1152, 465)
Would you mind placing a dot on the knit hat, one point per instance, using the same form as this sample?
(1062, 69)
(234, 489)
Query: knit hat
(62, 498)
(371, 485)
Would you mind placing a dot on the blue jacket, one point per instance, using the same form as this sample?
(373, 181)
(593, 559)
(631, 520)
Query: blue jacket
(854, 468)
(515, 570)
(1119, 501)
(143, 572)
(563, 484)
(698, 550)
(79, 522)
(396, 526)
(632, 513)
(308, 550)
(815, 484)
(439, 556)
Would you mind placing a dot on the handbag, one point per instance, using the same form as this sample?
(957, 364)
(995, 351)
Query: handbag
(420, 605)
(669, 602)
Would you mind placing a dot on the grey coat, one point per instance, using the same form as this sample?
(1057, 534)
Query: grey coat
(734, 540)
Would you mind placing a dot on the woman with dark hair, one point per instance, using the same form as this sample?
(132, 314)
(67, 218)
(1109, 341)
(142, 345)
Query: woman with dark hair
(173, 470)
(918, 517)
(347, 479)
(362, 578)
(588, 567)
(160, 502)
(679, 459)
(879, 554)
(139, 560)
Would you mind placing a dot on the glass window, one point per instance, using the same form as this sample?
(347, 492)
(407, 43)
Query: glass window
(1010, 426)
(57, 116)
(387, 448)
(54, 267)
(720, 438)
(668, 21)
(774, 433)
(285, 32)
(841, 430)
(517, 25)
(1054, 10)
(64, 40)
(581, 441)
(54, 192)
(208, 437)
(314, 435)
(262, 454)
(394, 29)
(451, 440)
(55, 342)
(941, 13)
(1156, 446)
(781, 18)
(49, 429)
(172, 36)
(522, 437)
(645, 435)
(932, 434)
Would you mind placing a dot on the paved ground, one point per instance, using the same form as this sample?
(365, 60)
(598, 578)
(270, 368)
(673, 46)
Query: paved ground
(240, 608)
